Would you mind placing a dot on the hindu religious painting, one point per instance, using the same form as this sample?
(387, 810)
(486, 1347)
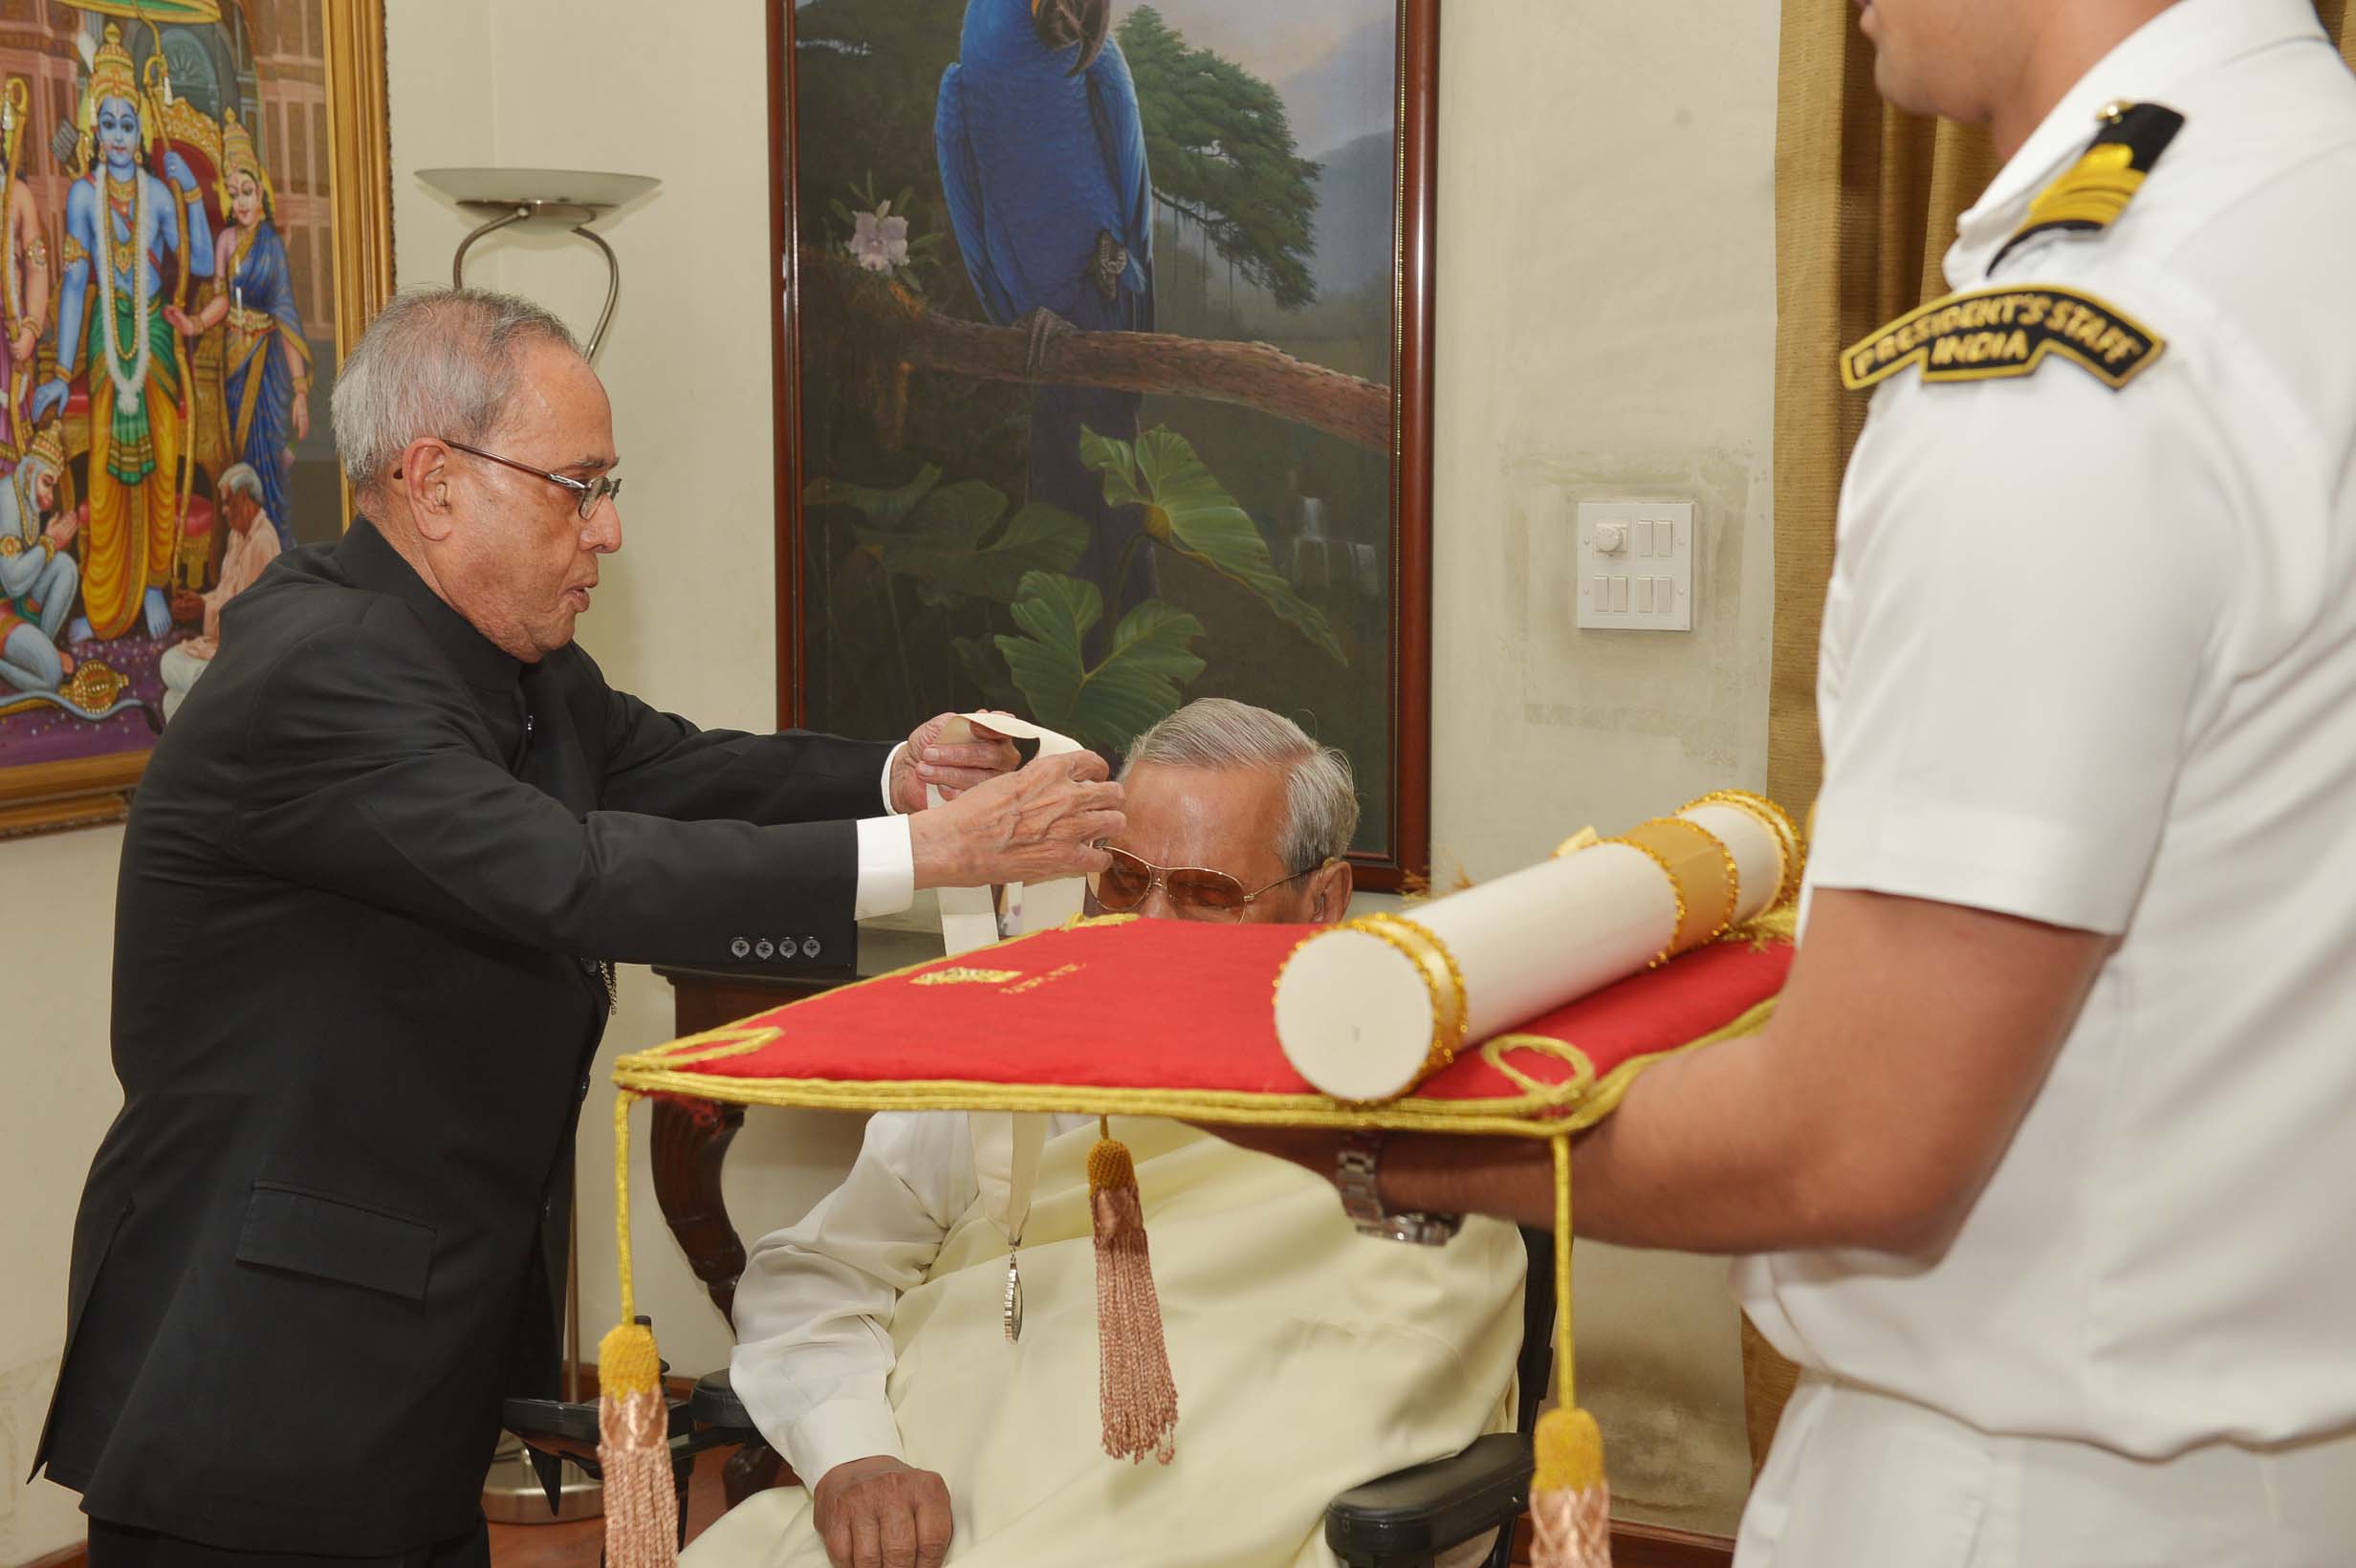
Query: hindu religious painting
(171, 304)
(1104, 370)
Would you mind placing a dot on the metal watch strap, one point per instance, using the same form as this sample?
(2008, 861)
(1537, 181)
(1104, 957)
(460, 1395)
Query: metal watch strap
(1357, 1172)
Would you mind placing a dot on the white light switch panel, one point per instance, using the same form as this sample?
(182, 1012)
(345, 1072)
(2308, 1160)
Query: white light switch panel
(1636, 565)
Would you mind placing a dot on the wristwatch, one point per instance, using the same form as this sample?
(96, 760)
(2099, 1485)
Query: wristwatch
(1356, 1166)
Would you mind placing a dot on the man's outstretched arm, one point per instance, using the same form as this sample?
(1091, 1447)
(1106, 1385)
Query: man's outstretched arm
(1910, 1041)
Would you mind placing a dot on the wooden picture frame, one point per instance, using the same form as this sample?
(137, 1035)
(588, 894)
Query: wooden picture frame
(920, 336)
(308, 81)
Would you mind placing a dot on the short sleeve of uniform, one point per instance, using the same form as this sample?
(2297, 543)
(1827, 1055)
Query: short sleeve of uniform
(2021, 627)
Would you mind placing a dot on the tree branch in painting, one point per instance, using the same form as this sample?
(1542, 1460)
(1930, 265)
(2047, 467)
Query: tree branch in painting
(1253, 375)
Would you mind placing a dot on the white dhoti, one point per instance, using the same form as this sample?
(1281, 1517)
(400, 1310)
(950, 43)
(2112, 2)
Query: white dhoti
(1308, 1359)
(1861, 1480)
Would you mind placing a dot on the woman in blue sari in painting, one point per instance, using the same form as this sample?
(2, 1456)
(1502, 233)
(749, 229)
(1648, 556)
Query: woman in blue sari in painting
(267, 367)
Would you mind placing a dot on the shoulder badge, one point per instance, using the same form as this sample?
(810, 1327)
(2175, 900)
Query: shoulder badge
(1993, 334)
(2092, 192)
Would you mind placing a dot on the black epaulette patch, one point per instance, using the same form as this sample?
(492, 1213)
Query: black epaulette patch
(1999, 333)
(2090, 194)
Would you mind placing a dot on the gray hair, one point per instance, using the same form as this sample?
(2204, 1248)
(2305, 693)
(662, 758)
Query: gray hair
(1320, 798)
(434, 362)
(240, 477)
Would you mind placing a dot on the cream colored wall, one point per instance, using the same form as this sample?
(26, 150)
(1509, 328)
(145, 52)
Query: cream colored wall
(1605, 329)
(60, 1095)
(685, 618)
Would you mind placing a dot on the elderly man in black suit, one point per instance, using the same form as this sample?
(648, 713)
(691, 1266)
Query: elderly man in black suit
(323, 1238)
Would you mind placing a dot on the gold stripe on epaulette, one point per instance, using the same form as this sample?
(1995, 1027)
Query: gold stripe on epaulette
(2092, 194)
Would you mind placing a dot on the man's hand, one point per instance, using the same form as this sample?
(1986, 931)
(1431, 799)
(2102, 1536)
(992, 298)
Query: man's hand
(1037, 824)
(881, 1512)
(956, 768)
(62, 528)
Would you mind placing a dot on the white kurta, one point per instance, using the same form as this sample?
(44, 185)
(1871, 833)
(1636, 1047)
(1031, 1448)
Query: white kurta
(1308, 1359)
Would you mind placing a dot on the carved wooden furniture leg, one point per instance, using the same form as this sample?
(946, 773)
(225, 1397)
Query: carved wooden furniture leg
(690, 1142)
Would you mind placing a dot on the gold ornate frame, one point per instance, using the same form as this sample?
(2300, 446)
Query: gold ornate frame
(53, 796)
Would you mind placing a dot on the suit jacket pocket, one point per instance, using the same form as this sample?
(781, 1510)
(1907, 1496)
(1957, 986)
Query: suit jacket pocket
(327, 1239)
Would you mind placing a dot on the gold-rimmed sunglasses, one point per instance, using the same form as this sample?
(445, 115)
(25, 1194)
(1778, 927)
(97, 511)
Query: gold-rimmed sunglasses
(1195, 892)
(587, 492)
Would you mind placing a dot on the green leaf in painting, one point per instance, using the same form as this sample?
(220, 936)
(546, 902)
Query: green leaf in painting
(935, 533)
(1136, 683)
(885, 510)
(1189, 510)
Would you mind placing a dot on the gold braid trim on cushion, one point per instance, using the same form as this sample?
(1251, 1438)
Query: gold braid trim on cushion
(1542, 1110)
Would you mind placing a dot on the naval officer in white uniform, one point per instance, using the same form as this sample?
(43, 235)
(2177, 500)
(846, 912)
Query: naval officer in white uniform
(2046, 1169)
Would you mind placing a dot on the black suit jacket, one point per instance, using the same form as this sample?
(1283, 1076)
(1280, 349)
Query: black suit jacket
(366, 887)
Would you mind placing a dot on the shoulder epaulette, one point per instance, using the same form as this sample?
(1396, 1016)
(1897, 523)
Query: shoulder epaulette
(2090, 194)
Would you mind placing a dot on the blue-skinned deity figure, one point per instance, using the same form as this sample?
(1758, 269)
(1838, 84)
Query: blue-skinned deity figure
(121, 221)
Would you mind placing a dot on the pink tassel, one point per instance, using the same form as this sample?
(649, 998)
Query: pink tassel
(1135, 1392)
(1570, 1505)
(642, 1508)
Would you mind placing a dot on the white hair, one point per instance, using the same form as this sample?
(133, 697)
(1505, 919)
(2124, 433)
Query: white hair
(240, 477)
(1320, 795)
(434, 362)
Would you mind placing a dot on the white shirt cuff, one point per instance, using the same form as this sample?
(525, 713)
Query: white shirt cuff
(887, 867)
(839, 1431)
(891, 758)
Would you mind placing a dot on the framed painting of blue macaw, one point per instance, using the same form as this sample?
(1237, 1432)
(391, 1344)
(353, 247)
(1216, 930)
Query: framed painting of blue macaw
(1104, 370)
(195, 220)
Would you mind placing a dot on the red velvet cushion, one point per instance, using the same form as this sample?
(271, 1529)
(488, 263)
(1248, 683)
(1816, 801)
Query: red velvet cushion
(1179, 1009)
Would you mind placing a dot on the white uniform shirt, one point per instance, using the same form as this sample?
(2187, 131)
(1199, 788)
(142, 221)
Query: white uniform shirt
(814, 1310)
(2089, 657)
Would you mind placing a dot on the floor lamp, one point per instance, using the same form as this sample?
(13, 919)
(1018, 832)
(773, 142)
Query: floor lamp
(543, 201)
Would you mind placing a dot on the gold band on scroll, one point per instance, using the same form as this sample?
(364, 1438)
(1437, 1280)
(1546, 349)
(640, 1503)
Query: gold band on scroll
(1790, 844)
(1442, 980)
(1702, 877)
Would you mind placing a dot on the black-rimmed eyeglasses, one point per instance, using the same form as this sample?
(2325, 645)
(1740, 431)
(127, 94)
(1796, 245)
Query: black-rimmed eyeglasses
(588, 491)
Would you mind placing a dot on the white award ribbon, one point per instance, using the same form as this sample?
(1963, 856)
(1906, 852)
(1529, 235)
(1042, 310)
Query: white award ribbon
(968, 919)
(1006, 1147)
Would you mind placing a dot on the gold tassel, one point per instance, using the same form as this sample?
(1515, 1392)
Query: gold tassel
(1135, 1393)
(634, 1449)
(1570, 1505)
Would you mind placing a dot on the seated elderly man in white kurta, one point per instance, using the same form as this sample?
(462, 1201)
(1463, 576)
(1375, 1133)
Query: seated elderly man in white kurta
(1308, 1358)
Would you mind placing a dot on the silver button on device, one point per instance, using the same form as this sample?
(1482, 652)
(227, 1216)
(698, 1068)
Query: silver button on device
(740, 947)
(810, 947)
(765, 948)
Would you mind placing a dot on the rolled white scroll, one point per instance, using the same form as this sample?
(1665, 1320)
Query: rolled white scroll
(1371, 1009)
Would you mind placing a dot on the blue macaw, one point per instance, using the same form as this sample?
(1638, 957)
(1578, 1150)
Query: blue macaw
(1043, 159)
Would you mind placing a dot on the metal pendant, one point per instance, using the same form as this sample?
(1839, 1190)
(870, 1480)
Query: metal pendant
(1014, 1299)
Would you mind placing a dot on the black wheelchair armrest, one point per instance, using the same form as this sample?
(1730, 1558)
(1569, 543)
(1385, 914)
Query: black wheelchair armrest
(550, 1426)
(1413, 1515)
(714, 1404)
